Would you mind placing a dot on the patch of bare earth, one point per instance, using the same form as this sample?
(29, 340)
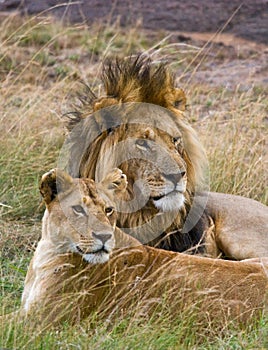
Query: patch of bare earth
(228, 61)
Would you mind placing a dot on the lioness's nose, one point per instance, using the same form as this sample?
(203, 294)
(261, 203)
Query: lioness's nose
(175, 178)
(103, 237)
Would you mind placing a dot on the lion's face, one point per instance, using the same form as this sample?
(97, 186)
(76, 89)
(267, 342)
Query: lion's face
(158, 168)
(154, 162)
(80, 216)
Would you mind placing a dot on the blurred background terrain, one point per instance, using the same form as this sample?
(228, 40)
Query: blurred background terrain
(237, 31)
(247, 19)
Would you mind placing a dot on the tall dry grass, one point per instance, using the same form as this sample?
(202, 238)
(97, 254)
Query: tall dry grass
(234, 131)
(41, 65)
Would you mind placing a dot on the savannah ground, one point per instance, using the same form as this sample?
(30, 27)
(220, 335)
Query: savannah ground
(42, 64)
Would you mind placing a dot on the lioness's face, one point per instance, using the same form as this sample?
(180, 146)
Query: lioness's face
(78, 219)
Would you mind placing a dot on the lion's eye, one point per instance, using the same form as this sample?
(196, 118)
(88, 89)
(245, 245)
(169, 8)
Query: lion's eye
(142, 143)
(177, 140)
(78, 210)
(109, 211)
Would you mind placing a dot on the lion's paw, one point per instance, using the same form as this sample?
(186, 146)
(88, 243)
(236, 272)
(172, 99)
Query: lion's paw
(115, 180)
(118, 178)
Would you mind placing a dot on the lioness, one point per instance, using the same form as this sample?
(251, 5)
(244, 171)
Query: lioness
(139, 126)
(69, 276)
(76, 220)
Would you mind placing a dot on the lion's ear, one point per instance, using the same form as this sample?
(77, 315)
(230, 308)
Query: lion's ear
(179, 99)
(115, 181)
(54, 182)
(104, 102)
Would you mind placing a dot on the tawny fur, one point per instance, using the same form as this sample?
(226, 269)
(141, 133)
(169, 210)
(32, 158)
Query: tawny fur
(127, 82)
(143, 279)
(238, 227)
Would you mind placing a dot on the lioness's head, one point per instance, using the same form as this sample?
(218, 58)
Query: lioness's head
(79, 215)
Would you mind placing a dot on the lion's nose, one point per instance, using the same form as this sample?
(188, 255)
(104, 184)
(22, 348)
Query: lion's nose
(103, 237)
(175, 178)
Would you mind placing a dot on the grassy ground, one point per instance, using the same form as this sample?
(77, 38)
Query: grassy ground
(41, 64)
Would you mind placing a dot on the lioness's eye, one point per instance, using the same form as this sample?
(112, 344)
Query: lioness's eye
(78, 210)
(142, 143)
(109, 211)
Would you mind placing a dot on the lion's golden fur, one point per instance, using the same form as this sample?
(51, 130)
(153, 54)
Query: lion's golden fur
(127, 84)
(138, 94)
(139, 81)
(65, 287)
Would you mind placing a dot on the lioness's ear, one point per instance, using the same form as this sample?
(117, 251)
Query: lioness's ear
(54, 182)
(115, 181)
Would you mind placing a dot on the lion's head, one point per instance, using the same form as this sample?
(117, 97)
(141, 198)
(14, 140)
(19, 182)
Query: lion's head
(139, 126)
(80, 215)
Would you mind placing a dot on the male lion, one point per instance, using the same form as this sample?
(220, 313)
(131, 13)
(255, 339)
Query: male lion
(73, 273)
(139, 126)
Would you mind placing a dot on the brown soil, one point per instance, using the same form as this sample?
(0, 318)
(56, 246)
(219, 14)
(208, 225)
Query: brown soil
(247, 19)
